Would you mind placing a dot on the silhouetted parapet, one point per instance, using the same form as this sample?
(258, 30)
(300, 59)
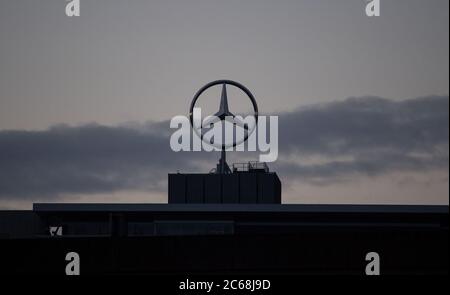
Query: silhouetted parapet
(247, 187)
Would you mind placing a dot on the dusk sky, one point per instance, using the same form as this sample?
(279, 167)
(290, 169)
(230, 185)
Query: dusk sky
(85, 102)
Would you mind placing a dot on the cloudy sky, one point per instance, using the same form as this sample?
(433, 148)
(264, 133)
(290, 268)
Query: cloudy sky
(85, 102)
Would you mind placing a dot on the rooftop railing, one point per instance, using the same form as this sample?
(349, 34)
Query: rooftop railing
(250, 166)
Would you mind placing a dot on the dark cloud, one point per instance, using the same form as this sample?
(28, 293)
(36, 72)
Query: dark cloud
(366, 125)
(374, 135)
(87, 159)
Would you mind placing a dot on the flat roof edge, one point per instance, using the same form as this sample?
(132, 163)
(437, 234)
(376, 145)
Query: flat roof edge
(305, 208)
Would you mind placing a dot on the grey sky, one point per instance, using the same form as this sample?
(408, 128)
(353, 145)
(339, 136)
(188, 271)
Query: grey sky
(142, 61)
